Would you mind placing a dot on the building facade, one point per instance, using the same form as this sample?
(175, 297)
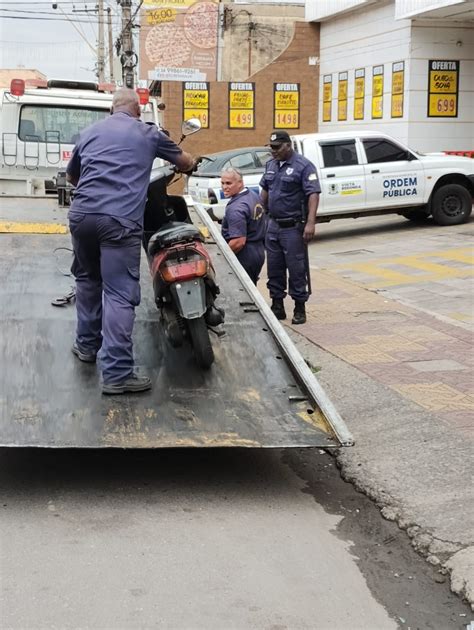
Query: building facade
(404, 67)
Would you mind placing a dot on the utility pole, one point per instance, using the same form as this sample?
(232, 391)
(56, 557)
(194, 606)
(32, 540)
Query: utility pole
(100, 44)
(111, 45)
(128, 57)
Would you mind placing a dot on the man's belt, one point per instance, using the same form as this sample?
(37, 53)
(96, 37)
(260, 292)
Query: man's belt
(284, 223)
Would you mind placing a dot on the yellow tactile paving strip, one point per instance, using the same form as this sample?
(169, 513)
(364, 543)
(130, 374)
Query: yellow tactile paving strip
(381, 274)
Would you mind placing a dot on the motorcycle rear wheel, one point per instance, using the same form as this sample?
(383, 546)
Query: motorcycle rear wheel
(199, 336)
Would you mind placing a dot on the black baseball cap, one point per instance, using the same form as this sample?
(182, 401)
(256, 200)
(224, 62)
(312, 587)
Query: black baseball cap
(278, 137)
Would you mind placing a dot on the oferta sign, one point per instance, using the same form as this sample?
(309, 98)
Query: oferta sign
(286, 99)
(196, 101)
(443, 88)
(377, 92)
(241, 105)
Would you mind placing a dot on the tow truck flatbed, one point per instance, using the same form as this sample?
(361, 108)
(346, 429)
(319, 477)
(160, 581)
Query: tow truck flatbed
(257, 394)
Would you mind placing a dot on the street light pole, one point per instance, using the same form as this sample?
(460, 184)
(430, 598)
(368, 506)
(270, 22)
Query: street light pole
(100, 44)
(111, 45)
(128, 57)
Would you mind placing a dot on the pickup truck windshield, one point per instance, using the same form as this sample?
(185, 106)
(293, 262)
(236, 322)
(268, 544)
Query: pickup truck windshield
(60, 123)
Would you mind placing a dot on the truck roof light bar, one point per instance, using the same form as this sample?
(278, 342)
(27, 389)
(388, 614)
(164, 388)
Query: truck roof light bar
(17, 87)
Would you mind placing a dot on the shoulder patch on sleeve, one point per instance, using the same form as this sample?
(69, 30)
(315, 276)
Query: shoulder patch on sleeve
(312, 177)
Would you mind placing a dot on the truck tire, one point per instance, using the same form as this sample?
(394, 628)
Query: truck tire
(452, 204)
(202, 347)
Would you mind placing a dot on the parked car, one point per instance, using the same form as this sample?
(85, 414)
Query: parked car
(205, 184)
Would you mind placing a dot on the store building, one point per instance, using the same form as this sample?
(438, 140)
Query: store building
(404, 67)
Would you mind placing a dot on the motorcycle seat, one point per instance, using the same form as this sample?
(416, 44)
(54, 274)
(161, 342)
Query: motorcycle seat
(172, 233)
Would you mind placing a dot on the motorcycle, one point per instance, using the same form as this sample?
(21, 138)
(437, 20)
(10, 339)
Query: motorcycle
(183, 276)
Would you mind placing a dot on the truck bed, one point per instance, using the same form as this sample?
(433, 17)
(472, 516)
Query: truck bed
(251, 397)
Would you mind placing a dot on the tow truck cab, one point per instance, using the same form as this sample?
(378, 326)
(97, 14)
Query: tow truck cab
(40, 123)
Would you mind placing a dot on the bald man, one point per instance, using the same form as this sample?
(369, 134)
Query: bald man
(111, 165)
(243, 225)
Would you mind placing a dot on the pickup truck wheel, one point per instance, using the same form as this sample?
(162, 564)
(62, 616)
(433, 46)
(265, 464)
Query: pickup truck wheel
(417, 216)
(452, 204)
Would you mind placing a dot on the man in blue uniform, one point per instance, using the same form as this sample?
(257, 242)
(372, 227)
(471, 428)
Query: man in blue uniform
(290, 194)
(111, 165)
(243, 226)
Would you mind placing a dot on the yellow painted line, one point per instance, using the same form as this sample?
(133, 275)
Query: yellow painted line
(392, 277)
(459, 256)
(439, 271)
(12, 227)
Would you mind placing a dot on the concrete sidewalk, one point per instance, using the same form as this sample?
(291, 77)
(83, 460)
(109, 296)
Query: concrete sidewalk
(402, 380)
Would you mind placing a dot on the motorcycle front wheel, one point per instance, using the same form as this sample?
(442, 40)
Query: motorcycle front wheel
(199, 337)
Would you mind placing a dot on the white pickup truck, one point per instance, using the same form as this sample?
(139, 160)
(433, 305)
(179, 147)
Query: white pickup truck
(366, 172)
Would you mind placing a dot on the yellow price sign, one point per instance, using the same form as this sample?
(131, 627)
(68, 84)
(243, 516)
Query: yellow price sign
(358, 109)
(377, 85)
(202, 114)
(397, 82)
(342, 110)
(286, 120)
(286, 100)
(327, 111)
(327, 92)
(397, 105)
(359, 87)
(377, 107)
(342, 92)
(160, 16)
(197, 99)
(443, 105)
(443, 82)
(241, 119)
(241, 99)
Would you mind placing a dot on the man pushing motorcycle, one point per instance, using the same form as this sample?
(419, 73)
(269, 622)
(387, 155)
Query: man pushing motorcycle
(110, 167)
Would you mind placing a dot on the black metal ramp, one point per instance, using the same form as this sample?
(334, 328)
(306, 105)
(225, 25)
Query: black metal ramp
(50, 399)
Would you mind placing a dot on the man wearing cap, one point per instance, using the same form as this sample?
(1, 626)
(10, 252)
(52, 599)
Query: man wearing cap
(290, 194)
(243, 226)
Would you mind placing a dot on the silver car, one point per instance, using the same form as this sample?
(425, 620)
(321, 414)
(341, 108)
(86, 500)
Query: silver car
(204, 185)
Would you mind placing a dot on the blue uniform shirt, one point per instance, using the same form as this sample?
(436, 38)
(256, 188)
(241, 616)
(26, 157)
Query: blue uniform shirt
(288, 185)
(244, 216)
(113, 160)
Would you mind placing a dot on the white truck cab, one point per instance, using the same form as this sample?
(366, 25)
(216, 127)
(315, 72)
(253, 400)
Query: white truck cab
(40, 124)
(367, 172)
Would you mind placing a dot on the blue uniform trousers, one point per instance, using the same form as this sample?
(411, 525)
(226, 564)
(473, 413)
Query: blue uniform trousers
(107, 271)
(252, 257)
(286, 253)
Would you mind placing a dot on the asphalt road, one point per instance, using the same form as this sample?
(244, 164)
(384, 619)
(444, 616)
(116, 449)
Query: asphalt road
(204, 539)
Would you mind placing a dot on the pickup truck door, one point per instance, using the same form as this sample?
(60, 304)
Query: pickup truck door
(394, 175)
(341, 177)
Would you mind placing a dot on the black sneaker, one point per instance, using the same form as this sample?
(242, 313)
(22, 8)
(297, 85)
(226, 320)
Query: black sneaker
(87, 357)
(299, 314)
(278, 309)
(133, 384)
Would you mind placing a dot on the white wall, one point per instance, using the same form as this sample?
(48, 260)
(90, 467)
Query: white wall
(364, 39)
(439, 42)
(372, 36)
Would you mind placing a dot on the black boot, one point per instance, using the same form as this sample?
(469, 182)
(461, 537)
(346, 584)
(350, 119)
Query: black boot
(278, 308)
(299, 314)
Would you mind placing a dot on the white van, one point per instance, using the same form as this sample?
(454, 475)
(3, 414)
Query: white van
(40, 124)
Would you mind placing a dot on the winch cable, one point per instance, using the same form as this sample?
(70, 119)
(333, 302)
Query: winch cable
(63, 300)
